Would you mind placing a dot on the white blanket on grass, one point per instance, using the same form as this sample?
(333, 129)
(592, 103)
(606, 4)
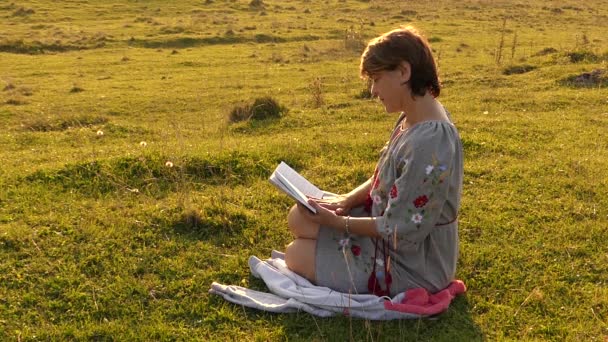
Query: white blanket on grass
(292, 293)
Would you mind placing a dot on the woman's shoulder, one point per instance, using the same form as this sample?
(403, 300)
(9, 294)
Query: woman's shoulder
(431, 130)
(429, 137)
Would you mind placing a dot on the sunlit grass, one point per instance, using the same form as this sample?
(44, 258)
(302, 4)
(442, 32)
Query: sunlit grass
(121, 201)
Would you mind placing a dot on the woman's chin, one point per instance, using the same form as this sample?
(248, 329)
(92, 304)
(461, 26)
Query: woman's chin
(390, 110)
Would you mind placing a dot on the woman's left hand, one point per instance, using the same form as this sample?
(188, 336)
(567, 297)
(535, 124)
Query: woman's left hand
(323, 216)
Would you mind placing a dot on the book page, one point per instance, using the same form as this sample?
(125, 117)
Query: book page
(293, 191)
(301, 183)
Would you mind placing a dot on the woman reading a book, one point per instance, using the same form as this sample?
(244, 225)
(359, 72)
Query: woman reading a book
(398, 230)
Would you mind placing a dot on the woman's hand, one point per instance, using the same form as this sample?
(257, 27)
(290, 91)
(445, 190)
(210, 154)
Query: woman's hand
(339, 204)
(324, 215)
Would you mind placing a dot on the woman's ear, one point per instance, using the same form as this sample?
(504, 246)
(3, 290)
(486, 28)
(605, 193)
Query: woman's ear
(405, 69)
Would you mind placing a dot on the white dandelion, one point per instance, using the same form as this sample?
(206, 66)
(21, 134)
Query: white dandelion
(143, 144)
(99, 133)
(169, 164)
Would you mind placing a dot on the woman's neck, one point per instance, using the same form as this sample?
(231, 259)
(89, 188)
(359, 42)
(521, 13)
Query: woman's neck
(423, 108)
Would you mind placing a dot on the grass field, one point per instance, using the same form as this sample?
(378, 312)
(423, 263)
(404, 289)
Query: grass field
(102, 239)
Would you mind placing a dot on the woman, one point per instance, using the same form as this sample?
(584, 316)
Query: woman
(408, 236)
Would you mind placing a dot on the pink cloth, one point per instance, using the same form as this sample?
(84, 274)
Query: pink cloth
(420, 301)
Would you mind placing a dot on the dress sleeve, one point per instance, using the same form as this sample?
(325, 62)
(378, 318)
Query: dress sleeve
(419, 192)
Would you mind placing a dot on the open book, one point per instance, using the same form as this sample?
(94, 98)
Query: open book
(293, 184)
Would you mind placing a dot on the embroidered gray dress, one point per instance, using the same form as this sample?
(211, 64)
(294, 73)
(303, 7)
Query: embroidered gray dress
(415, 199)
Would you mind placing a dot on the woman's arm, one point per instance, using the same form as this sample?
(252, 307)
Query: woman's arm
(342, 204)
(365, 226)
(357, 196)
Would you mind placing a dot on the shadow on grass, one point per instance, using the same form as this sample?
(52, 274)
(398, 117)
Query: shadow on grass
(215, 224)
(187, 42)
(37, 47)
(154, 175)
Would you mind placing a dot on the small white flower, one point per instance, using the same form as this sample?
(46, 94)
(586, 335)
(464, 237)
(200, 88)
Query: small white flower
(429, 169)
(344, 242)
(379, 262)
(100, 133)
(169, 164)
(486, 112)
(417, 218)
(377, 199)
(143, 144)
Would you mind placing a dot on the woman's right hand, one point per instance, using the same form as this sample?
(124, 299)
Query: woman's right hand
(340, 204)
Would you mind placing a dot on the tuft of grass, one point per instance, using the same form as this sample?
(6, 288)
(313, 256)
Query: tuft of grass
(37, 47)
(518, 69)
(546, 51)
(172, 29)
(16, 101)
(366, 92)
(23, 12)
(501, 43)
(584, 56)
(262, 108)
(46, 124)
(595, 78)
(9, 86)
(316, 92)
(354, 39)
(77, 89)
(257, 4)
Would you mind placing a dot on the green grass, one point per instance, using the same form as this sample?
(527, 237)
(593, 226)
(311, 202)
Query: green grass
(100, 240)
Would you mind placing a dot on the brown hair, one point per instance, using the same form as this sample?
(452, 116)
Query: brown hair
(403, 44)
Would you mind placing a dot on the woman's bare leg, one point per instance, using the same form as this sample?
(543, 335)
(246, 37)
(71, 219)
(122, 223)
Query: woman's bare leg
(300, 257)
(300, 254)
(300, 226)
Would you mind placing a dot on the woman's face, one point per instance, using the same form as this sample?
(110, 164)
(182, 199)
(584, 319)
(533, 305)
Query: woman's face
(389, 87)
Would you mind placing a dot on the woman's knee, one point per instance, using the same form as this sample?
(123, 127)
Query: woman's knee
(300, 226)
(300, 257)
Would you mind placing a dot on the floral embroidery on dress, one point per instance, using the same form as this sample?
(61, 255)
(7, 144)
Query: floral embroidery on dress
(347, 243)
(393, 193)
(421, 201)
(344, 243)
(417, 218)
(436, 174)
